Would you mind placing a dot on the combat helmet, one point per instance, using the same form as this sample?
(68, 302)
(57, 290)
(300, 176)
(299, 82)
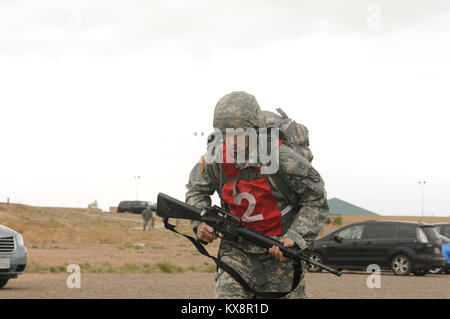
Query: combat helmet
(238, 110)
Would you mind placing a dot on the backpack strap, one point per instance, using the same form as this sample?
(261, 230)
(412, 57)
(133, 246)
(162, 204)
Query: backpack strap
(279, 181)
(211, 170)
(215, 174)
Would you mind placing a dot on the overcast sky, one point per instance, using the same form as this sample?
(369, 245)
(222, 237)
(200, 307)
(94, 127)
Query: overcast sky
(95, 92)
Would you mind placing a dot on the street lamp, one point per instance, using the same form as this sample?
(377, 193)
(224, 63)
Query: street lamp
(137, 178)
(199, 136)
(422, 184)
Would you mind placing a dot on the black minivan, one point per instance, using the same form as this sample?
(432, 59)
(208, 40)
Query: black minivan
(402, 247)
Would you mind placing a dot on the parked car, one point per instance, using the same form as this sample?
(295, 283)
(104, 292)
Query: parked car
(402, 247)
(134, 206)
(444, 233)
(13, 255)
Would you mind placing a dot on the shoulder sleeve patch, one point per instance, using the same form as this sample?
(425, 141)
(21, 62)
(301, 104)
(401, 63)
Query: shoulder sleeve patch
(201, 165)
(314, 175)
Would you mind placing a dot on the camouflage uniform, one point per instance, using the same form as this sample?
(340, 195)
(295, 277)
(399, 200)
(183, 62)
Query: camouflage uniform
(299, 135)
(262, 271)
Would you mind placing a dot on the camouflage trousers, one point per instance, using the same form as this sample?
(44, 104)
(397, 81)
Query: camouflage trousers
(261, 271)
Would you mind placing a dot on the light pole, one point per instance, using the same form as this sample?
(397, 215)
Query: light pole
(422, 184)
(199, 136)
(137, 178)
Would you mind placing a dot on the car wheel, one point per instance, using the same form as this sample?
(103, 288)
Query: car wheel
(401, 265)
(3, 282)
(436, 270)
(421, 272)
(317, 258)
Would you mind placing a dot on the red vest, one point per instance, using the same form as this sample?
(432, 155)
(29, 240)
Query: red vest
(251, 200)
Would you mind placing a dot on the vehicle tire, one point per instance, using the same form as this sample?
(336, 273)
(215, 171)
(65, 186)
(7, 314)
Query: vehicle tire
(317, 258)
(436, 270)
(421, 272)
(3, 282)
(401, 265)
(447, 271)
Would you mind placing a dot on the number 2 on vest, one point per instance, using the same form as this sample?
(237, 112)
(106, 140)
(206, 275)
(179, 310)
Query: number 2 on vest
(251, 206)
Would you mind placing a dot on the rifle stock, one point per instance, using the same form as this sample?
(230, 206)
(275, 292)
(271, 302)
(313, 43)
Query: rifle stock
(169, 207)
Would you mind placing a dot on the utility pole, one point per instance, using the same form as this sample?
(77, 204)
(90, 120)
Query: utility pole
(422, 184)
(199, 137)
(137, 178)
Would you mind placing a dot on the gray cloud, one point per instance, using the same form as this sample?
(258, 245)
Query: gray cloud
(117, 27)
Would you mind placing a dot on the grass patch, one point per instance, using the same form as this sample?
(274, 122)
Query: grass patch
(44, 269)
(107, 268)
(203, 268)
(168, 267)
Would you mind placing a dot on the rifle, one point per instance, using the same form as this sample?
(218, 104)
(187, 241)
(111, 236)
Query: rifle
(230, 226)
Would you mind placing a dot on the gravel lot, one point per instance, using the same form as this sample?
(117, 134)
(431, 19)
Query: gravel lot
(201, 285)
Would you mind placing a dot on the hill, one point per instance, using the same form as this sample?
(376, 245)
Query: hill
(340, 207)
(100, 242)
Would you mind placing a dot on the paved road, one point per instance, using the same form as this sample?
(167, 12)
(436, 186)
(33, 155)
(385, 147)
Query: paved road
(201, 285)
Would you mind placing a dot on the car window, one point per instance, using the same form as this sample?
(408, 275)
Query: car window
(407, 231)
(353, 232)
(382, 231)
(445, 230)
(431, 233)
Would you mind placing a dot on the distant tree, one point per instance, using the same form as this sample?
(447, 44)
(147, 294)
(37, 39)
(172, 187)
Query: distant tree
(94, 204)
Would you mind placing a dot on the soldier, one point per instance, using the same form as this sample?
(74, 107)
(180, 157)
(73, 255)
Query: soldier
(291, 209)
(147, 215)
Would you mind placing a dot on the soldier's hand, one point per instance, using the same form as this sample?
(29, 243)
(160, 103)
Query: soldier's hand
(276, 252)
(206, 233)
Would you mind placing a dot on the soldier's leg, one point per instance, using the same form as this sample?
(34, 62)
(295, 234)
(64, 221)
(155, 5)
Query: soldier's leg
(281, 278)
(228, 288)
(300, 291)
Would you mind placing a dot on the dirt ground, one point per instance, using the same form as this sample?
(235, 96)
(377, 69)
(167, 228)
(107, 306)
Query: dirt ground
(119, 260)
(351, 285)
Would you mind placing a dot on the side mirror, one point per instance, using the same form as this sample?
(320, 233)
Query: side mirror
(337, 239)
